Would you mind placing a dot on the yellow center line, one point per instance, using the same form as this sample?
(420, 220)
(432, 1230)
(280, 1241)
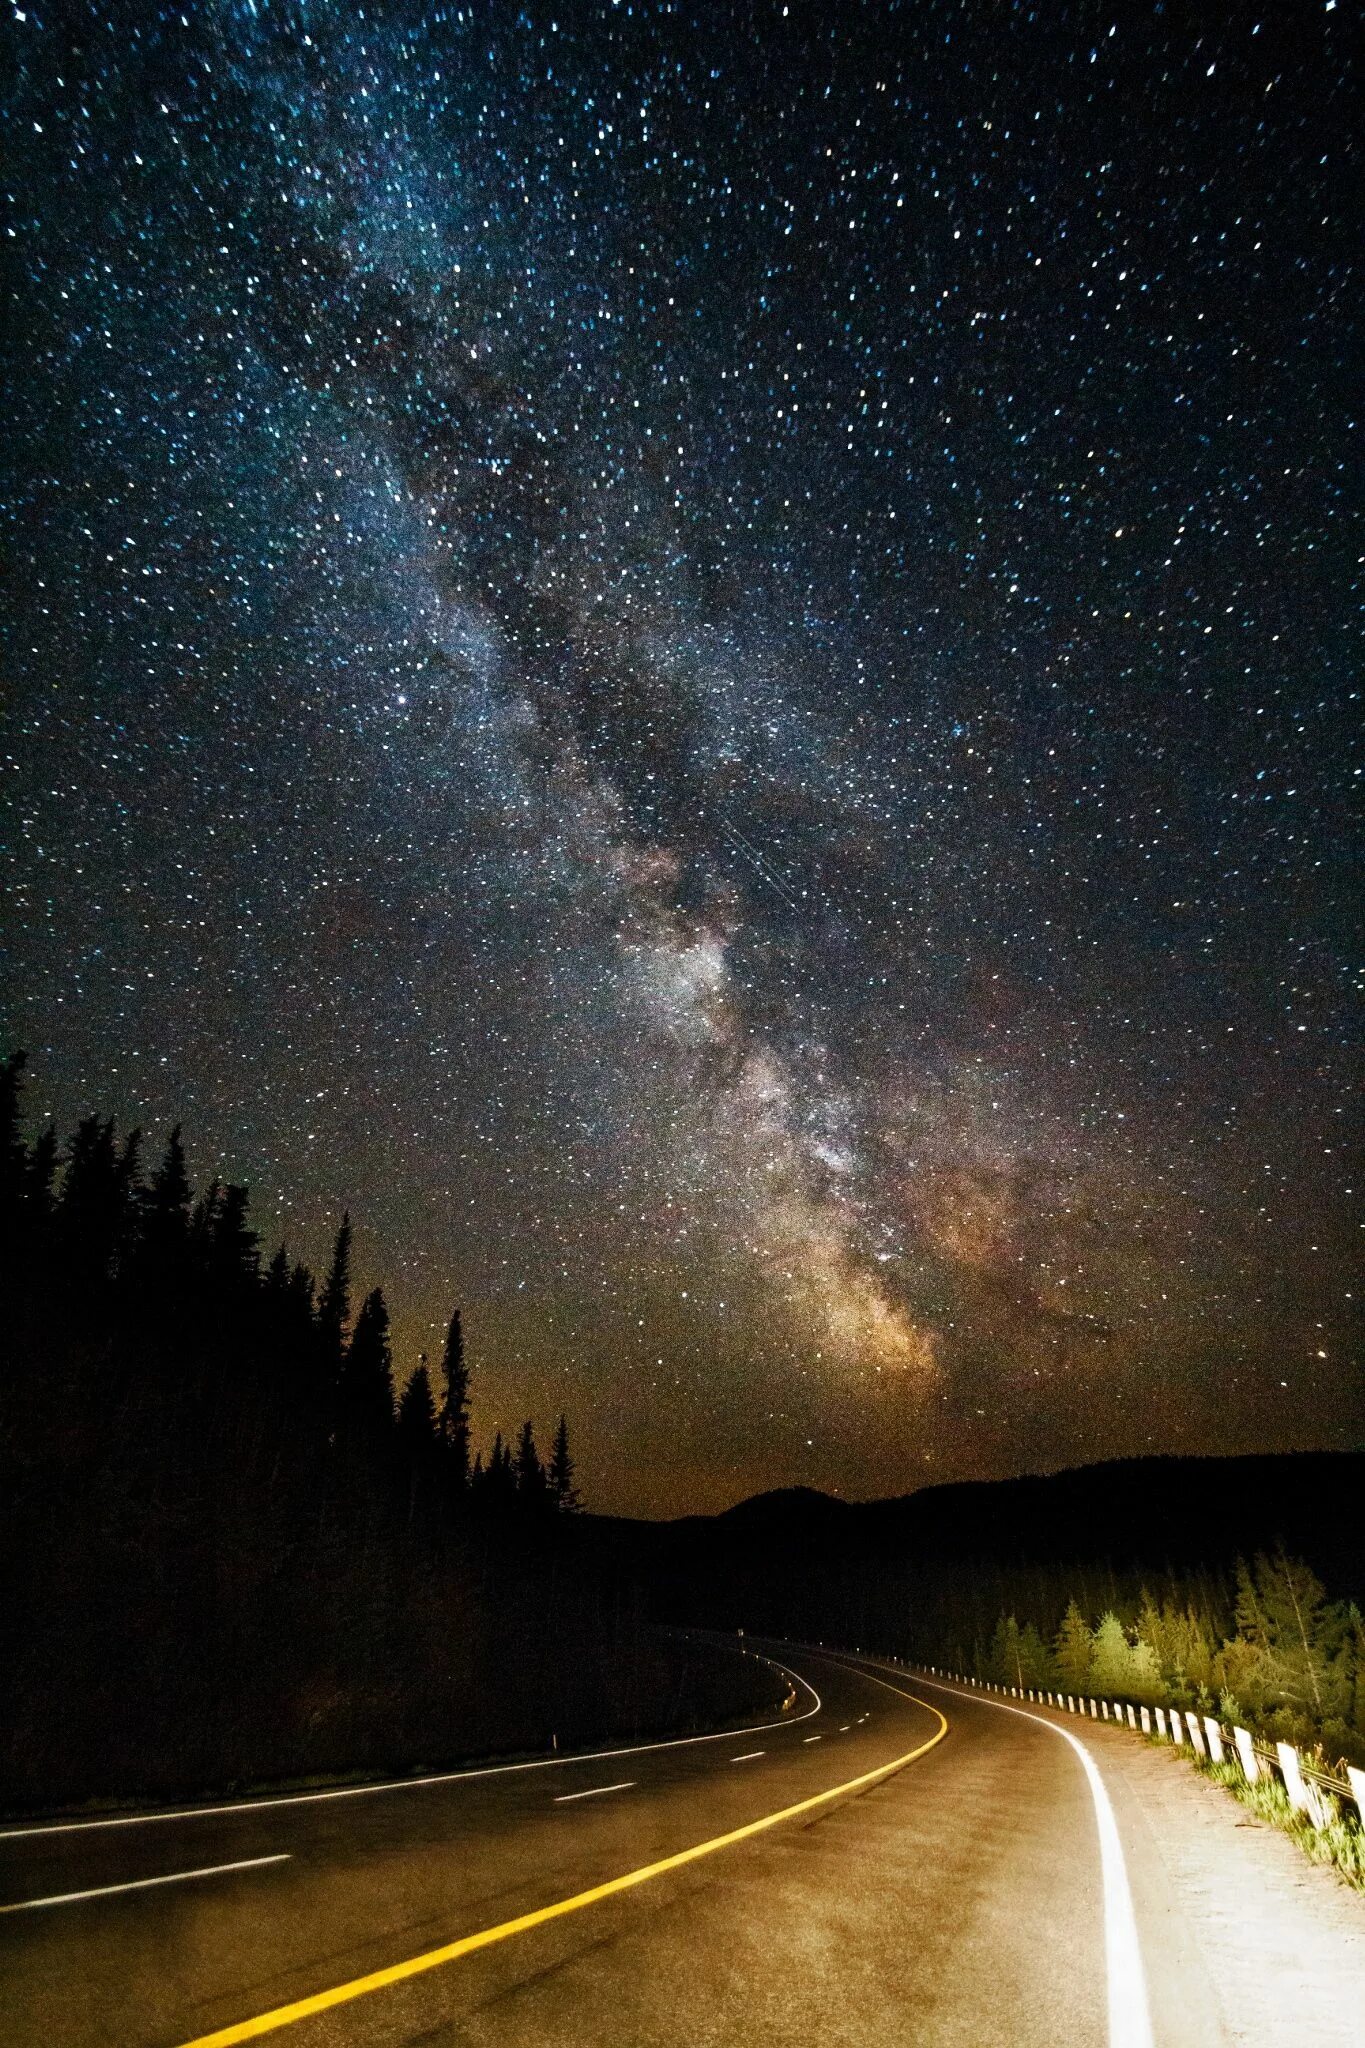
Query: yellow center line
(433, 1958)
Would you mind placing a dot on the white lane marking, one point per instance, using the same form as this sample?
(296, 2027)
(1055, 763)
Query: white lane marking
(810, 1738)
(594, 1792)
(844, 1730)
(1130, 2024)
(748, 1756)
(141, 1884)
(540, 1763)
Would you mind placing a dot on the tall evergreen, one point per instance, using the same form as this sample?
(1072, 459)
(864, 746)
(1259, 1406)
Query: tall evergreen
(1111, 1668)
(334, 1306)
(560, 1477)
(417, 1410)
(454, 1408)
(499, 1485)
(366, 1390)
(1073, 1650)
(233, 1243)
(529, 1472)
(164, 1215)
(13, 1157)
(89, 1217)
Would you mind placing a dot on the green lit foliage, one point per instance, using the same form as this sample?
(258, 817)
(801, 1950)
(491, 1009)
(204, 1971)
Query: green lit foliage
(1073, 1650)
(1291, 1664)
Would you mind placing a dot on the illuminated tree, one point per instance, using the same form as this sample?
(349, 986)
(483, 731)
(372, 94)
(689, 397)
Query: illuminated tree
(1110, 1658)
(1073, 1650)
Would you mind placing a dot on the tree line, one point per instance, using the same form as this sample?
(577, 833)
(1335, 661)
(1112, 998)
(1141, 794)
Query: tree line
(228, 1551)
(1277, 1656)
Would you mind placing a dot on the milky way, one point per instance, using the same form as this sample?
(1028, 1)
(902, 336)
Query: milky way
(702, 658)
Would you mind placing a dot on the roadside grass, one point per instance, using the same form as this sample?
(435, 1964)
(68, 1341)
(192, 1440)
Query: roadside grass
(1339, 1842)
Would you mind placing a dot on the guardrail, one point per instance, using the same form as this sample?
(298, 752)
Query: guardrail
(1308, 1787)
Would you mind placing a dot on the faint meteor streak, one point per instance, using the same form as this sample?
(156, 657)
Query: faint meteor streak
(758, 861)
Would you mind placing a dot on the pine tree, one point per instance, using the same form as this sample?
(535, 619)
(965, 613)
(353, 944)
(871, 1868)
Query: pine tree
(417, 1418)
(454, 1410)
(1035, 1659)
(366, 1388)
(1073, 1650)
(233, 1243)
(334, 1308)
(164, 1216)
(90, 1218)
(499, 1483)
(1300, 1637)
(563, 1492)
(1110, 1659)
(530, 1473)
(1003, 1663)
(12, 1153)
(1144, 1675)
(39, 1175)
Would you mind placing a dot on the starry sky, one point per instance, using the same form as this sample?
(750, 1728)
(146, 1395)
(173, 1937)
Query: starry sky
(701, 656)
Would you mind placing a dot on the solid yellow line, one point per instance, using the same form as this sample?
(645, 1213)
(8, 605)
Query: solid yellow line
(397, 1973)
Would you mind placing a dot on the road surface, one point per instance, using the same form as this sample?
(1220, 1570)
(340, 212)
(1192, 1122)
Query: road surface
(891, 1862)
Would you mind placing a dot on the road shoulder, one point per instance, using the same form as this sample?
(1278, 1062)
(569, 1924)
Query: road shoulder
(1270, 1946)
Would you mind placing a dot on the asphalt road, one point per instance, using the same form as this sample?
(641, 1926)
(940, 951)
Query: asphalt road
(967, 1894)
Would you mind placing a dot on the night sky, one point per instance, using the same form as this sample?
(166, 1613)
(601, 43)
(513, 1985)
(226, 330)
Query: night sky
(701, 656)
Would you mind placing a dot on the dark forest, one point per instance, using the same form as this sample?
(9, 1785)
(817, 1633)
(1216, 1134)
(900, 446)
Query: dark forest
(229, 1554)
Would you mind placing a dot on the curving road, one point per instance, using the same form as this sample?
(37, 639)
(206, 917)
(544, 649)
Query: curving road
(892, 1862)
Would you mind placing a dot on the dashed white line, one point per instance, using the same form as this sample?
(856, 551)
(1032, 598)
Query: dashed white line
(811, 1738)
(594, 1791)
(748, 1756)
(140, 1884)
(541, 1763)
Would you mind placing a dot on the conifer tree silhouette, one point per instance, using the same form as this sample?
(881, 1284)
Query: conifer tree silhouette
(334, 1306)
(530, 1473)
(454, 1409)
(13, 1156)
(164, 1218)
(367, 1374)
(560, 1477)
(417, 1415)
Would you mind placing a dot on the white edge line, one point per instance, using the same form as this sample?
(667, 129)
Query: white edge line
(593, 1792)
(1130, 2024)
(540, 1763)
(142, 1884)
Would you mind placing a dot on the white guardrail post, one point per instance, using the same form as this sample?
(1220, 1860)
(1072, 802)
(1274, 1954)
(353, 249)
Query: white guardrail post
(1356, 1780)
(1246, 1755)
(1215, 1739)
(1293, 1776)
